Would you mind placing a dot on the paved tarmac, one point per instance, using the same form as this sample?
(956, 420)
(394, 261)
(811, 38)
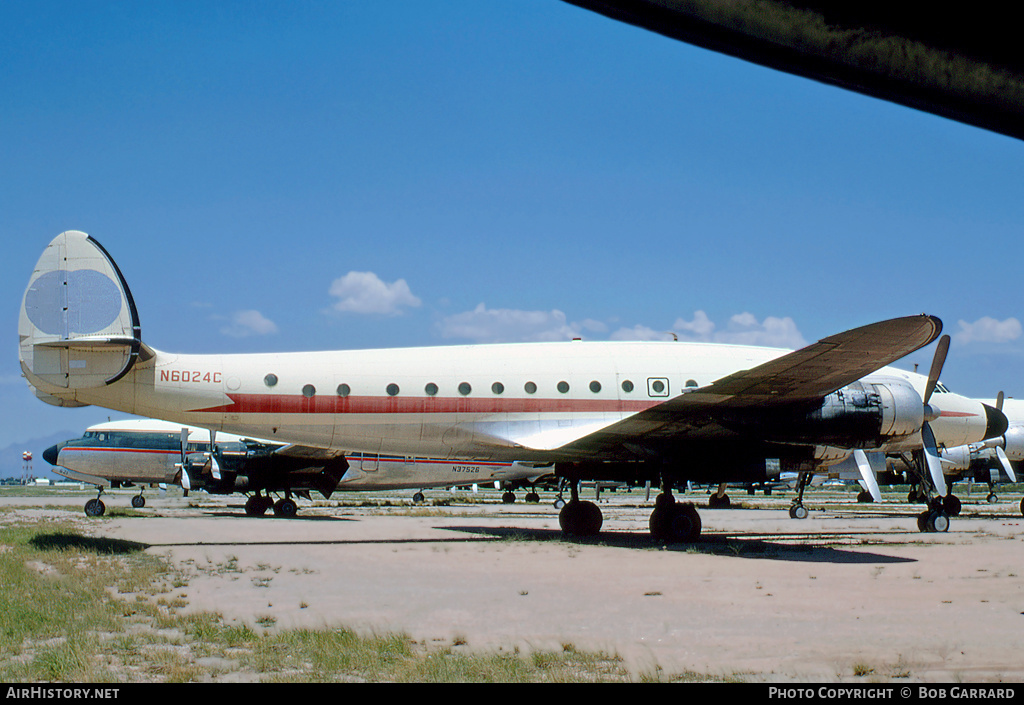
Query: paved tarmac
(853, 589)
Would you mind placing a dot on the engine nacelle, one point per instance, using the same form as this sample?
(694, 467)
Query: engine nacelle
(957, 459)
(902, 408)
(860, 415)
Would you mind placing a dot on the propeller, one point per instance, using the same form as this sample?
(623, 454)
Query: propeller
(214, 465)
(929, 447)
(1000, 453)
(186, 484)
(867, 473)
(1005, 462)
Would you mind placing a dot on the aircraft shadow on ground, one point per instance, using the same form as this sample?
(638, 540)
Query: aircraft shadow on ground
(709, 544)
(66, 541)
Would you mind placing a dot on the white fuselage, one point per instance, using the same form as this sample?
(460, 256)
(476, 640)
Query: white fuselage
(481, 402)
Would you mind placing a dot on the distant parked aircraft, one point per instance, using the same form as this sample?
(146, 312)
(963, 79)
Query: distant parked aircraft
(147, 452)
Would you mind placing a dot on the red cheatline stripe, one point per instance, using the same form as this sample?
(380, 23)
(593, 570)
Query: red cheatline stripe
(298, 404)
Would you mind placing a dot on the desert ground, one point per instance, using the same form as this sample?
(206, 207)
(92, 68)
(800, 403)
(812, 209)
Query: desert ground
(852, 593)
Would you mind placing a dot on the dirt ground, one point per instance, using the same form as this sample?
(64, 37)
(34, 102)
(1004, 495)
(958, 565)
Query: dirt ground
(854, 592)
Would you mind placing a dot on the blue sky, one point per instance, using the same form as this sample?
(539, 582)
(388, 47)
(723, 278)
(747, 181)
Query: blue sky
(329, 175)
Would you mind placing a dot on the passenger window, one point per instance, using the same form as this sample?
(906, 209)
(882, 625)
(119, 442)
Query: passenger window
(657, 386)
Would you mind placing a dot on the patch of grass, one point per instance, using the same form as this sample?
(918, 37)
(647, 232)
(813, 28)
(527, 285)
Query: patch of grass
(79, 609)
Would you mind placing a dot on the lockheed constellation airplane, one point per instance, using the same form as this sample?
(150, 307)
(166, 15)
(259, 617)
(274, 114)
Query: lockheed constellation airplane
(149, 451)
(661, 411)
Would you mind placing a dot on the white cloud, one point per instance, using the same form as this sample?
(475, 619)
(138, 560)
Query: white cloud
(742, 329)
(502, 325)
(364, 292)
(485, 325)
(988, 330)
(246, 323)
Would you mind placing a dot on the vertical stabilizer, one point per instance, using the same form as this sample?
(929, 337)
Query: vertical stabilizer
(78, 327)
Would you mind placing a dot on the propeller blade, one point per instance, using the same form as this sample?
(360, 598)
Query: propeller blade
(999, 401)
(214, 465)
(1007, 468)
(937, 362)
(931, 455)
(186, 483)
(867, 473)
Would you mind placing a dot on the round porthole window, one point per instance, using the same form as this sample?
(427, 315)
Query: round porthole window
(464, 388)
(530, 388)
(392, 389)
(308, 391)
(498, 388)
(270, 380)
(563, 387)
(344, 390)
(627, 386)
(595, 386)
(430, 389)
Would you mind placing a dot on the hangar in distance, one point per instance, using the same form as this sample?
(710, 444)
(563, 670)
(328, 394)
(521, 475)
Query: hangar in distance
(667, 412)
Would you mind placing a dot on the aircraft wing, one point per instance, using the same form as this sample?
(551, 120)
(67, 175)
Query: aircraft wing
(309, 453)
(802, 375)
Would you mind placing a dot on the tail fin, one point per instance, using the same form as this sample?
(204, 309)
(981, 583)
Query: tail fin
(78, 327)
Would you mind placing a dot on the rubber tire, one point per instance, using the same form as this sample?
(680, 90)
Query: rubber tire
(95, 508)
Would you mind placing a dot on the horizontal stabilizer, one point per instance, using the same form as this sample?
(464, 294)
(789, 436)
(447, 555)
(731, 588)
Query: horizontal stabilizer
(78, 326)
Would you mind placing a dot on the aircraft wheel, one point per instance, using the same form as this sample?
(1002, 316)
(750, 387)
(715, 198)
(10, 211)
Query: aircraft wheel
(675, 523)
(798, 511)
(508, 498)
(285, 508)
(559, 503)
(95, 508)
(951, 505)
(992, 498)
(532, 497)
(716, 502)
(864, 497)
(138, 501)
(937, 521)
(1022, 506)
(580, 518)
(255, 506)
(418, 498)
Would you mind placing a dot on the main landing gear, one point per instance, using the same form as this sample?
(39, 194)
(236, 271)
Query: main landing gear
(257, 506)
(936, 517)
(670, 522)
(797, 510)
